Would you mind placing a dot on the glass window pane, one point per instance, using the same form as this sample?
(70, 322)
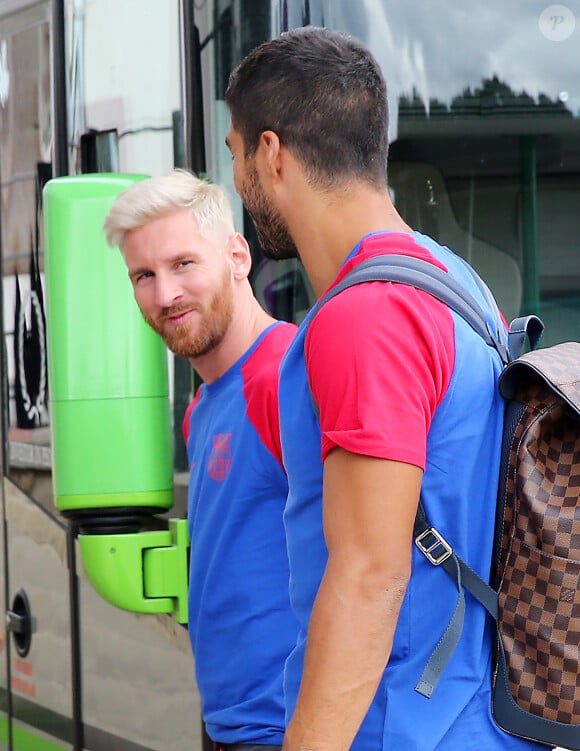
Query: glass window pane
(485, 132)
(125, 76)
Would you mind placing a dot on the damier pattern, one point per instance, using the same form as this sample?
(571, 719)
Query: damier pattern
(540, 631)
(539, 594)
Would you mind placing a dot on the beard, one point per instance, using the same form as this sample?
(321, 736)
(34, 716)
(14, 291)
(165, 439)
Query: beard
(273, 235)
(208, 331)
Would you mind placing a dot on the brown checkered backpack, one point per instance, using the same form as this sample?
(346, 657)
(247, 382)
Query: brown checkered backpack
(534, 590)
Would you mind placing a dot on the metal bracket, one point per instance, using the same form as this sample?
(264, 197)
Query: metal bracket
(143, 572)
(434, 546)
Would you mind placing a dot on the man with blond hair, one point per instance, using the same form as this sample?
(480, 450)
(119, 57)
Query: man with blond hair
(189, 270)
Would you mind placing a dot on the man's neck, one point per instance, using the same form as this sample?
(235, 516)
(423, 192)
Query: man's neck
(243, 331)
(329, 225)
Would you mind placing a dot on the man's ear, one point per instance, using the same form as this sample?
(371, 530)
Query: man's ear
(240, 256)
(269, 156)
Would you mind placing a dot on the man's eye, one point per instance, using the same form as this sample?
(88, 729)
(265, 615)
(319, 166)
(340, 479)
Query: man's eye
(142, 277)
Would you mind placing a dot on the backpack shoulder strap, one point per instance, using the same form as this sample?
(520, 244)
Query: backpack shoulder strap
(509, 345)
(441, 285)
(433, 280)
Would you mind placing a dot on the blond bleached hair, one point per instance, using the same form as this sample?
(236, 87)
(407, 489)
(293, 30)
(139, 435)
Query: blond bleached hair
(157, 197)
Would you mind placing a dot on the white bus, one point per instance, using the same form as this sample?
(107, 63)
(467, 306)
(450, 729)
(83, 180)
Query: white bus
(485, 157)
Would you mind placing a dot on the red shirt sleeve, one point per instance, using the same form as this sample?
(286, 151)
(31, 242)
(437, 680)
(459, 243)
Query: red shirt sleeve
(187, 417)
(261, 378)
(380, 358)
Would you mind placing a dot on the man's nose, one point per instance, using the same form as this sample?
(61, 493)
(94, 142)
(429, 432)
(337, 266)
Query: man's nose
(168, 291)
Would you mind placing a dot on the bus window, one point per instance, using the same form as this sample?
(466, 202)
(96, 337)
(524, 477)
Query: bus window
(485, 133)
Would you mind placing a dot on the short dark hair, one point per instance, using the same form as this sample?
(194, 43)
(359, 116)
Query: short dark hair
(322, 92)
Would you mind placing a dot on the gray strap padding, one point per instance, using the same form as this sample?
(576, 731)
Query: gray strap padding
(431, 279)
(441, 285)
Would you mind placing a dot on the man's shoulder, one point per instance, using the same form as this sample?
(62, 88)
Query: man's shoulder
(361, 297)
(271, 348)
(411, 244)
(279, 336)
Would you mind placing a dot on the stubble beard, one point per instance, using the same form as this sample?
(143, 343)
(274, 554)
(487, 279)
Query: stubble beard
(271, 229)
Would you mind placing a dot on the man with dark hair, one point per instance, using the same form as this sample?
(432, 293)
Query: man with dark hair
(406, 404)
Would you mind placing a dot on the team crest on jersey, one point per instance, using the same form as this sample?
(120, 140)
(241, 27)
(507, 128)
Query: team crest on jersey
(220, 459)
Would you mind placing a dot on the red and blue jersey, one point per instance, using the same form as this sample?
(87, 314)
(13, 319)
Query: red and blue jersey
(397, 375)
(240, 622)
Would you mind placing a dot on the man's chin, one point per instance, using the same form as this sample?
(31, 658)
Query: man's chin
(183, 349)
(179, 342)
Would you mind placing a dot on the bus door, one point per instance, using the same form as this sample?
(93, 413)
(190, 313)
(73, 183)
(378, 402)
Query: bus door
(36, 693)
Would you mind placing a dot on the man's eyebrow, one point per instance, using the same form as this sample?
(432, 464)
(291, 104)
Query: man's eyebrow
(228, 143)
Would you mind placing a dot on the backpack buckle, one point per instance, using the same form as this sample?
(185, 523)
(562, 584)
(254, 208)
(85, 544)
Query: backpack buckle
(434, 546)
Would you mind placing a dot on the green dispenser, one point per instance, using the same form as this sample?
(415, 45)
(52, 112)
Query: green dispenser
(109, 405)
